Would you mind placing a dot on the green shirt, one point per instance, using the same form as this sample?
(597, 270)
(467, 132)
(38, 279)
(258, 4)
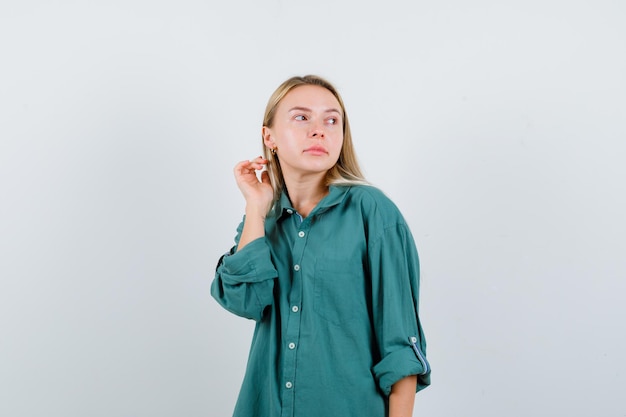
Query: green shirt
(335, 299)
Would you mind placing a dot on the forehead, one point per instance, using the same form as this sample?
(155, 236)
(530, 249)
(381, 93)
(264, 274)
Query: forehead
(310, 96)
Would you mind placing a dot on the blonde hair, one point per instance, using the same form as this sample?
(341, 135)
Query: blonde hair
(346, 171)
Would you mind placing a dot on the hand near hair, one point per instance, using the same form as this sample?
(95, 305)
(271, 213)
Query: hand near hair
(258, 195)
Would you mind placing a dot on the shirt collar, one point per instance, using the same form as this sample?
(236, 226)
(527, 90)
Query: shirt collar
(336, 194)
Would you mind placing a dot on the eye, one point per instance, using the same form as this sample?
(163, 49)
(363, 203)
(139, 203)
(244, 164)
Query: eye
(300, 117)
(332, 121)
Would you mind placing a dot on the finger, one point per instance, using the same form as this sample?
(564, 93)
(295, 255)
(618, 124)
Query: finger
(258, 159)
(258, 163)
(258, 167)
(242, 165)
(247, 167)
(265, 177)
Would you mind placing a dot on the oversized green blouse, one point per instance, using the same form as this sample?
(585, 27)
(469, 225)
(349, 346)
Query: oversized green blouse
(335, 300)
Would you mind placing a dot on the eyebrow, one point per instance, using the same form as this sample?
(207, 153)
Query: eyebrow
(298, 108)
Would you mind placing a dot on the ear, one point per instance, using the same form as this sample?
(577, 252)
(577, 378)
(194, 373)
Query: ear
(268, 138)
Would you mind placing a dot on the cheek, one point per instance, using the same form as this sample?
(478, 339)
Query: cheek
(338, 145)
(290, 132)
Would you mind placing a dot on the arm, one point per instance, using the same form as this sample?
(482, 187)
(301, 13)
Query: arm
(402, 397)
(394, 267)
(253, 227)
(244, 280)
(259, 196)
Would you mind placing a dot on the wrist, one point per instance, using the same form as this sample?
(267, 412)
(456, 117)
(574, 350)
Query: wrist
(254, 212)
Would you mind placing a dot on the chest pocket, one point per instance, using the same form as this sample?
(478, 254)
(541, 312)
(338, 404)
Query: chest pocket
(340, 290)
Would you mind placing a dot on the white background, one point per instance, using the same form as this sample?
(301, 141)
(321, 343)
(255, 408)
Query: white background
(498, 127)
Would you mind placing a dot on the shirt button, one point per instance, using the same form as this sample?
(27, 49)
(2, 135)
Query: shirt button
(288, 385)
(296, 268)
(295, 309)
(290, 211)
(301, 234)
(292, 346)
(413, 339)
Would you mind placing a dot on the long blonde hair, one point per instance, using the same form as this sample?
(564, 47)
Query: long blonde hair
(346, 171)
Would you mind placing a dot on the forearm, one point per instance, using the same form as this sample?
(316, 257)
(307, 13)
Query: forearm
(253, 226)
(402, 397)
(244, 280)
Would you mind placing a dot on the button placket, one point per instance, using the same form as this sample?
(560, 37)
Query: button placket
(292, 333)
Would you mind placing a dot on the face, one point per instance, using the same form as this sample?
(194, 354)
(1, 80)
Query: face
(307, 131)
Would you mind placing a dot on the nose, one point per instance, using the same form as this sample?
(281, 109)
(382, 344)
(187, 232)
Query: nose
(317, 130)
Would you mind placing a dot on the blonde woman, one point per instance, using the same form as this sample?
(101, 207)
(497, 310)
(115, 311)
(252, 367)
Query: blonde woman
(327, 267)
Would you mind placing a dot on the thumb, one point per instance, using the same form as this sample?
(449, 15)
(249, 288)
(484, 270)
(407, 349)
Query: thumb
(265, 178)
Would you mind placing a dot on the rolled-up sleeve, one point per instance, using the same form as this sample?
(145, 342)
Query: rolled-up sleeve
(244, 280)
(394, 267)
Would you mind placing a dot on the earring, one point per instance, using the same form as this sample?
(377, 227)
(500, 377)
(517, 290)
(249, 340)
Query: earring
(273, 150)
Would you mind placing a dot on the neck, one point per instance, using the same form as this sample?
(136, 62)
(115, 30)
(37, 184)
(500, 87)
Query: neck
(305, 193)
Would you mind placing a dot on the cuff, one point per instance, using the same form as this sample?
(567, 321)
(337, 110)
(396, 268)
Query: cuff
(400, 364)
(251, 264)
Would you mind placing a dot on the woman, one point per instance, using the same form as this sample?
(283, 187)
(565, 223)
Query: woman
(327, 267)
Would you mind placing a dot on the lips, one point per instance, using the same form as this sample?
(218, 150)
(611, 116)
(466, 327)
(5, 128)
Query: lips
(316, 150)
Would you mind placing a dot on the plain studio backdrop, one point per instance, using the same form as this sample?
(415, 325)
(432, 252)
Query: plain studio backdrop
(498, 128)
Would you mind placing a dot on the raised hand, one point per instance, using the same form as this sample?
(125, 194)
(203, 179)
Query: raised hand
(258, 194)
